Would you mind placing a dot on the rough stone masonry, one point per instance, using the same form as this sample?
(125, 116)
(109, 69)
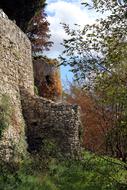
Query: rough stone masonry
(15, 71)
(34, 118)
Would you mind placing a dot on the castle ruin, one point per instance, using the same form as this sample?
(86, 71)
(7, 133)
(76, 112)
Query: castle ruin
(34, 118)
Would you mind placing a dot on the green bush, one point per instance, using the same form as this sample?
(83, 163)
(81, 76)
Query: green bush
(90, 173)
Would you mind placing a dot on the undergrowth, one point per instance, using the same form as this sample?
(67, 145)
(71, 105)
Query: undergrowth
(90, 173)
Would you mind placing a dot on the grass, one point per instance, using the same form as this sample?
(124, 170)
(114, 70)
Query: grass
(91, 173)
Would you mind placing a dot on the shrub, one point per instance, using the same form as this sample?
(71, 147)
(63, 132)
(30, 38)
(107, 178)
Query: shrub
(91, 173)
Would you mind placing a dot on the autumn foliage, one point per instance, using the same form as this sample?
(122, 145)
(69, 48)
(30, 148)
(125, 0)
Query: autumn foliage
(95, 121)
(38, 32)
(53, 90)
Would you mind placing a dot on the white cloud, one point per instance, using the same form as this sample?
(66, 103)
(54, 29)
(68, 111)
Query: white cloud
(69, 12)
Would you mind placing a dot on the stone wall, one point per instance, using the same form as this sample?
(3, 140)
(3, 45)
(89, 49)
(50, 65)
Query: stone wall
(47, 78)
(53, 122)
(36, 118)
(15, 71)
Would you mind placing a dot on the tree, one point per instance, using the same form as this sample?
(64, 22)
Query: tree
(110, 5)
(38, 33)
(21, 10)
(96, 122)
(97, 56)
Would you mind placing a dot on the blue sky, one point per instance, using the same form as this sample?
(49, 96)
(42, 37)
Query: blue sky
(69, 12)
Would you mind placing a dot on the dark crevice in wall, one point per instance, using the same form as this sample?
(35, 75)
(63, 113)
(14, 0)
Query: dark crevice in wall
(48, 80)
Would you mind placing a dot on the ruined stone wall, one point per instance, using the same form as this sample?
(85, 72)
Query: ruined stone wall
(47, 78)
(53, 122)
(44, 119)
(15, 71)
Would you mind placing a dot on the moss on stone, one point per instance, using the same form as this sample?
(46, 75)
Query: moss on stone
(5, 113)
